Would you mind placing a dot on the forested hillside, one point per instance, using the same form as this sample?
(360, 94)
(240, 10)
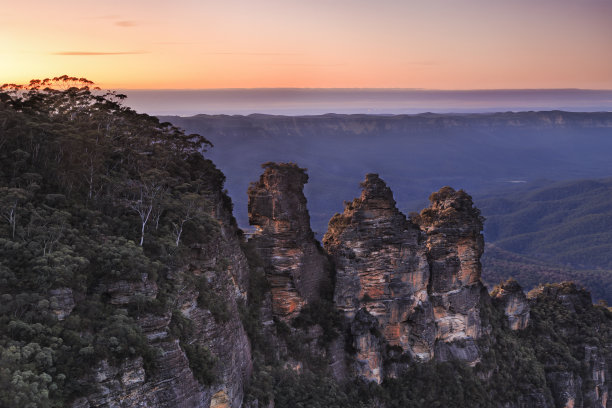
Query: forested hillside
(550, 232)
(91, 194)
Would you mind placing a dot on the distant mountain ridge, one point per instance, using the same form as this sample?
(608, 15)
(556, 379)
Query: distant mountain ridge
(554, 118)
(505, 160)
(312, 101)
(416, 154)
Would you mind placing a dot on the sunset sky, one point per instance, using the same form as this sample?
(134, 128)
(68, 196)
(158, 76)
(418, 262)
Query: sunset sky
(433, 44)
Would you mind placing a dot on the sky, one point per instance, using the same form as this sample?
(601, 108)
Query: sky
(204, 44)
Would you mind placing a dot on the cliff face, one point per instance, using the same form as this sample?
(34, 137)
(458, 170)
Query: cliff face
(295, 267)
(409, 292)
(509, 295)
(382, 270)
(454, 247)
(214, 277)
(421, 283)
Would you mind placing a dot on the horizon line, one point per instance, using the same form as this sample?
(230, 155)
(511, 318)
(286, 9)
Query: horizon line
(363, 89)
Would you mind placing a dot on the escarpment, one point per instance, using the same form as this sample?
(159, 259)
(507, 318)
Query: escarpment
(454, 246)
(202, 352)
(295, 266)
(408, 290)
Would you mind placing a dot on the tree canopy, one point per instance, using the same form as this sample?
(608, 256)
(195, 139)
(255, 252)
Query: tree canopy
(91, 192)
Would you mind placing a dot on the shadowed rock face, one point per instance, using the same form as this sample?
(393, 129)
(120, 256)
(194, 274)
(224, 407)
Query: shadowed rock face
(420, 282)
(454, 247)
(382, 270)
(514, 302)
(173, 384)
(369, 348)
(295, 267)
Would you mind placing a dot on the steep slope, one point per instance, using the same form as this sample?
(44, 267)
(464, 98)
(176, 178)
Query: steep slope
(381, 272)
(548, 232)
(565, 223)
(121, 270)
(296, 268)
(125, 281)
(454, 247)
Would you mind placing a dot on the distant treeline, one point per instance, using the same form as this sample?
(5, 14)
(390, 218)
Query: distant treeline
(549, 233)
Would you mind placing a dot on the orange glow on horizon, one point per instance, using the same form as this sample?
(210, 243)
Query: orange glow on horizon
(442, 44)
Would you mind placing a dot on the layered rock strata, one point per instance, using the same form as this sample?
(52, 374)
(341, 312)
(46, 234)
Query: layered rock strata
(510, 296)
(421, 282)
(454, 246)
(368, 346)
(295, 266)
(382, 270)
(222, 264)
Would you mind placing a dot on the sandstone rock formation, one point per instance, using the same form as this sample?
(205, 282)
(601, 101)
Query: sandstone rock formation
(509, 295)
(295, 266)
(409, 289)
(420, 282)
(368, 346)
(382, 270)
(454, 247)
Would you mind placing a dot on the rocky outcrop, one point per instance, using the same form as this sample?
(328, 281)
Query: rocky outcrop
(123, 292)
(569, 295)
(510, 296)
(382, 270)
(295, 266)
(61, 302)
(127, 385)
(599, 363)
(421, 282)
(454, 246)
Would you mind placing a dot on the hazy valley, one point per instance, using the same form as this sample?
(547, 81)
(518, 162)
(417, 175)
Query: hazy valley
(512, 164)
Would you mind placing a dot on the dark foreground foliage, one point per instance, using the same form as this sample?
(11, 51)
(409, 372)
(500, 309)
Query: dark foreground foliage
(91, 192)
(517, 367)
